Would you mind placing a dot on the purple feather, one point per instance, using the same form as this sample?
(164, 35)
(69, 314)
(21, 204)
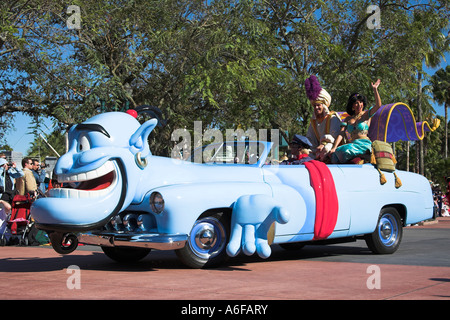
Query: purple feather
(312, 87)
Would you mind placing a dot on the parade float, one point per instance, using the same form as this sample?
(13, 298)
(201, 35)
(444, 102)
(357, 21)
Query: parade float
(119, 196)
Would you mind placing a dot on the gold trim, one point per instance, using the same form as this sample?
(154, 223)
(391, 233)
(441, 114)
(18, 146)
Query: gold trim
(141, 162)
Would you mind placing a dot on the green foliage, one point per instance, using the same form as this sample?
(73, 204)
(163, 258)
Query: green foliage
(40, 148)
(226, 63)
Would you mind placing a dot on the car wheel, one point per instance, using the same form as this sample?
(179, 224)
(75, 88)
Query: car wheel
(387, 236)
(207, 241)
(124, 254)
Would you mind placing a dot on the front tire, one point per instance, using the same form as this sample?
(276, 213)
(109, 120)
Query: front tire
(388, 234)
(206, 245)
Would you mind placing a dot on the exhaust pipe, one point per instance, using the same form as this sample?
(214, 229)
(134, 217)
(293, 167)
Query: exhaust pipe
(63, 243)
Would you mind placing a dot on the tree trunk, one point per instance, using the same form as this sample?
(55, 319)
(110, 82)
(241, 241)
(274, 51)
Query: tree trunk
(416, 165)
(446, 130)
(419, 119)
(407, 155)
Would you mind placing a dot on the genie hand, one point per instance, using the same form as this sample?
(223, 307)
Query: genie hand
(251, 220)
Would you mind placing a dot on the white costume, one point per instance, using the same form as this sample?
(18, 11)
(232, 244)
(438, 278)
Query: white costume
(329, 128)
(326, 130)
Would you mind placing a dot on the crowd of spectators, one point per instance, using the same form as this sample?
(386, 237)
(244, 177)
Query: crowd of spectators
(28, 180)
(442, 201)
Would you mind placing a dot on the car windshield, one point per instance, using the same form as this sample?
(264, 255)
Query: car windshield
(229, 153)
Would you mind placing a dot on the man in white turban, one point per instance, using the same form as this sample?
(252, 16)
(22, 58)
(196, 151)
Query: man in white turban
(325, 125)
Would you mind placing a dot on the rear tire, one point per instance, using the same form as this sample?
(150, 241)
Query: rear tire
(388, 234)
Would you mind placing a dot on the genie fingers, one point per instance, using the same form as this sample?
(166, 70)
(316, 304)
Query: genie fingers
(234, 245)
(248, 242)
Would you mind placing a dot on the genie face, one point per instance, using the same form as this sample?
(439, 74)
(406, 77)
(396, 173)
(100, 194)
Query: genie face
(106, 157)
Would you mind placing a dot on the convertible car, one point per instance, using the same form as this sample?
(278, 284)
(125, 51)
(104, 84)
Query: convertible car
(119, 196)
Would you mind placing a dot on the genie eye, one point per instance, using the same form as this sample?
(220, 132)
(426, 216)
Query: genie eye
(83, 144)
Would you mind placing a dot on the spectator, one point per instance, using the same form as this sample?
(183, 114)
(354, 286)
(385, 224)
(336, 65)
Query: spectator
(8, 173)
(39, 175)
(5, 209)
(448, 187)
(27, 183)
(439, 201)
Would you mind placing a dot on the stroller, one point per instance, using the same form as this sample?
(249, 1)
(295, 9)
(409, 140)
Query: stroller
(19, 222)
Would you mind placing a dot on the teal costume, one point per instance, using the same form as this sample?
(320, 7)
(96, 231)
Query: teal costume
(358, 147)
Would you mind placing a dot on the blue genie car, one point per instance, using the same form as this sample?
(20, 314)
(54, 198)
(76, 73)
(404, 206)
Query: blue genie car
(128, 201)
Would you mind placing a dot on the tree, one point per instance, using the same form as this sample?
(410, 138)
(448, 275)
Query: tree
(440, 83)
(226, 63)
(40, 146)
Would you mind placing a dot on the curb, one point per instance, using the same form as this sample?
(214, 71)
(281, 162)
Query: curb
(428, 222)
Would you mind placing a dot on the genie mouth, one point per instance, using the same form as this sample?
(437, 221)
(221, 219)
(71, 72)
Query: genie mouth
(95, 174)
(91, 184)
(97, 195)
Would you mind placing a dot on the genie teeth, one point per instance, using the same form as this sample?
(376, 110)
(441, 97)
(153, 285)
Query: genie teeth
(85, 176)
(76, 194)
(104, 169)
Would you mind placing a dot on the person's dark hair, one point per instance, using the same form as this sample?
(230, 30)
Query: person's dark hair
(352, 99)
(25, 161)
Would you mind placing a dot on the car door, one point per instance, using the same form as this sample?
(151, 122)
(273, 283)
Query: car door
(291, 187)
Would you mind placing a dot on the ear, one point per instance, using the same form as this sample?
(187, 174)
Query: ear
(138, 141)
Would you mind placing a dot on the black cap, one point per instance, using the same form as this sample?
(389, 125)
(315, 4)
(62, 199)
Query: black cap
(301, 141)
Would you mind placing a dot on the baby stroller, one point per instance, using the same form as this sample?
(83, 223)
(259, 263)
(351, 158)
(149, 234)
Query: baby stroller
(19, 221)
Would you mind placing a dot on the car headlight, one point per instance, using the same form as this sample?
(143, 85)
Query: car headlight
(157, 202)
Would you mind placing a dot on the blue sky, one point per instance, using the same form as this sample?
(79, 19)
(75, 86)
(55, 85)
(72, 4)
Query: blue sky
(439, 108)
(19, 139)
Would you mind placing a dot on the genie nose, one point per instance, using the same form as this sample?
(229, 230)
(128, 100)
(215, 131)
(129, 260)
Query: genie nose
(64, 164)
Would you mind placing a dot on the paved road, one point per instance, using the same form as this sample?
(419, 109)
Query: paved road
(420, 269)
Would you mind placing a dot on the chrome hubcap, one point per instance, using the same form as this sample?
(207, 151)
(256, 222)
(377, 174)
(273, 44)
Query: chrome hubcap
(388, 229)
(208, 238)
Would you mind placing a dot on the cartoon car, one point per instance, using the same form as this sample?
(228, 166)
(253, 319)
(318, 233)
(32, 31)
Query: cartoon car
(128, 201)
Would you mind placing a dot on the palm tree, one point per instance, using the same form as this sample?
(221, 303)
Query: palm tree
(440, 82)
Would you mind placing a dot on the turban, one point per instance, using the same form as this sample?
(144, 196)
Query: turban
(315, 92)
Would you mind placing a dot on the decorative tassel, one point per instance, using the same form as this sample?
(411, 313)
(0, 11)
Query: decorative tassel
(382, 177)
(398, 182)
(372, 158)
(436, 123)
